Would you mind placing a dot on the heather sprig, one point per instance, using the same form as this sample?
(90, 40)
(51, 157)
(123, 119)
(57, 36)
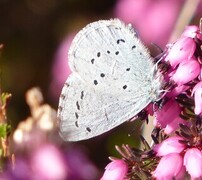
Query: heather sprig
(177, 134)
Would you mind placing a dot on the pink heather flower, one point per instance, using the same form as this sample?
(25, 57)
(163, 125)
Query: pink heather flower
(170, 145)
(182, 50)
(193, 162)
(169, 167)
(186, 71)
(197, 91)
(115, 170)
(169, 112)
(190, 31)
(177, 90)
(48, 163)
(174, 125)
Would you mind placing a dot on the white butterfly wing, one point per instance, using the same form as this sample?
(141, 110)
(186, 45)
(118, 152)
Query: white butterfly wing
(112, 80)
(109, 56)
(84, 113)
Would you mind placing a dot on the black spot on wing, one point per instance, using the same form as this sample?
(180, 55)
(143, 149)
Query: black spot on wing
(77, 105)
(125, 86)
(102, 75)
(98, 54)
(134, 46)
(117, 52)
(82, 94)
(127, 69)
(95, 82)
(76, 115)
(120, 40)
(92, 61)
(88, 129)
(76, 124)
(108, 52)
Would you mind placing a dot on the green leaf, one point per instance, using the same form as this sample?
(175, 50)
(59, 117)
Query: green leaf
(4, 130)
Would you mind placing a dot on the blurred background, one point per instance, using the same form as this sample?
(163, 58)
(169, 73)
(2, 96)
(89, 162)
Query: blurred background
(36, 35)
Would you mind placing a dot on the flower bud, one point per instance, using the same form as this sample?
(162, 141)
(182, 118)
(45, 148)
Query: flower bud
(170, 145)
(169, 167)
(182, 50)
(115, 170)
(186, 72)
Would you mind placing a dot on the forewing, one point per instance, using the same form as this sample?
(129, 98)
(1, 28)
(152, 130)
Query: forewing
(109, 57)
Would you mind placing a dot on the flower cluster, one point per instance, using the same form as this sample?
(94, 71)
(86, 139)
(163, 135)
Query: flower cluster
(177, 148)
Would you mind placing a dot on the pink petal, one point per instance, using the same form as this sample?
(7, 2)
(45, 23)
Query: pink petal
(193, 162)
(174, 125)
(197, 91)
(190, 31)
(169, 167)
(177, 90)
(170, 145)
(186, 72)
(115, 170)
(182, 50)
(167, 114)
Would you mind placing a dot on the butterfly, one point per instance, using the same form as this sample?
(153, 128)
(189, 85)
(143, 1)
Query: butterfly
(113, 78)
